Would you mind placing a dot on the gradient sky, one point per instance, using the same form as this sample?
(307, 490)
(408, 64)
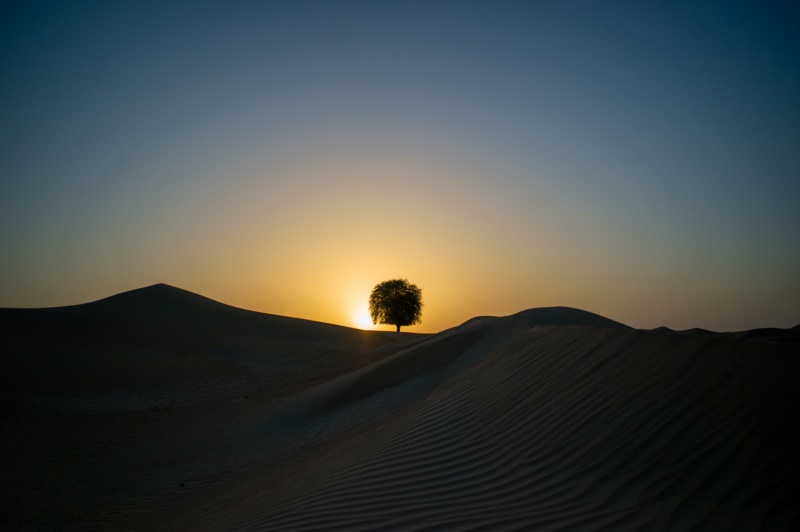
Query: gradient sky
(640, 160)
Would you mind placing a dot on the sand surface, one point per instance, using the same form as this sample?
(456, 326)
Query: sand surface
(161, 409)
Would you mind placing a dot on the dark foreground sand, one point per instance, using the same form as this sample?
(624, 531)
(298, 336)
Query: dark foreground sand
(160, 409)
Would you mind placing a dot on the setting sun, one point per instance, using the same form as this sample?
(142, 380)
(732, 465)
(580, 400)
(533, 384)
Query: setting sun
(362, 318)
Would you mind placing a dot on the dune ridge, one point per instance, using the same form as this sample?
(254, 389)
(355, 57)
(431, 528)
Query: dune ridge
(549, 419)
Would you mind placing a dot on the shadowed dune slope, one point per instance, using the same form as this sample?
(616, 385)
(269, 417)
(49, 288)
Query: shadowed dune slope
(158, 336)
(162, 312)
(550, 419)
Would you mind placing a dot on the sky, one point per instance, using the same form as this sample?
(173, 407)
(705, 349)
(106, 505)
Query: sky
(640, 160)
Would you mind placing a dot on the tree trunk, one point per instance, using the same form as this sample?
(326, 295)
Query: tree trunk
(398, 328)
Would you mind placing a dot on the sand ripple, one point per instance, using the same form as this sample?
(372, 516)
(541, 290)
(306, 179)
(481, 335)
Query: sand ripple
(535, 421)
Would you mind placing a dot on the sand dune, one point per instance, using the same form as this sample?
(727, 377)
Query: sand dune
(160, 409)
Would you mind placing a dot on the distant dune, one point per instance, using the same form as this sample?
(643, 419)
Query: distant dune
(162, 409)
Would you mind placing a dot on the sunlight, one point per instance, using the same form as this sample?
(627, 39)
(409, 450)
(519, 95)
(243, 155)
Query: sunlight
(362, 318)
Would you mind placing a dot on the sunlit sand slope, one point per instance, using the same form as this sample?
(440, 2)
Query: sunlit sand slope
(566, 428)
(552, 419)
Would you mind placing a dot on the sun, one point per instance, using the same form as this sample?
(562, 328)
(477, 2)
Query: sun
(362, 318)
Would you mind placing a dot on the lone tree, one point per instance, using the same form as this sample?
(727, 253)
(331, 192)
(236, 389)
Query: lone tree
(396, 302)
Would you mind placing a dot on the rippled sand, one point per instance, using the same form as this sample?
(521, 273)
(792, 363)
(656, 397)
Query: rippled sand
(160, 409)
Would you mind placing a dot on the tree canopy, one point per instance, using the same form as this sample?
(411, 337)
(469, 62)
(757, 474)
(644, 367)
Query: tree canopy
(396, 302)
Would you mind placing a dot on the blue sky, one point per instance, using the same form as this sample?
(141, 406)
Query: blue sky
(636, 159)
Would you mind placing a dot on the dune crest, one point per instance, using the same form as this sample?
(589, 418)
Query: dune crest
(549, 419)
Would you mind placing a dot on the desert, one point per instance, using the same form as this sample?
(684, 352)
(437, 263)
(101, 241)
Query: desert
(399, 265)
(161, 409)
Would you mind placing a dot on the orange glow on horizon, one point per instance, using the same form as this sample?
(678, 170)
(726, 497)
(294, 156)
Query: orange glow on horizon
(362, 318)
(317, 256)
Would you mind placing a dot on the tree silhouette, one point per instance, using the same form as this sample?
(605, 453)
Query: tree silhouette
(396, 302)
